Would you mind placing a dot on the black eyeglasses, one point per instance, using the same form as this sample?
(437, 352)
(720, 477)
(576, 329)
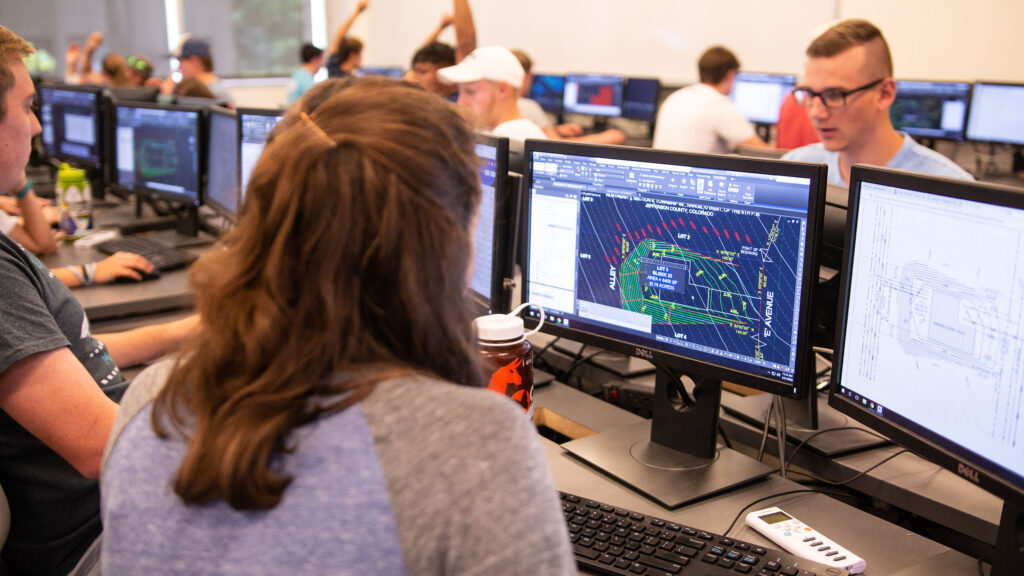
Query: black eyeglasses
(831, 98)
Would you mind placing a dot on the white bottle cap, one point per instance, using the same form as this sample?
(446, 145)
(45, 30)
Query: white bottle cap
(499, 327)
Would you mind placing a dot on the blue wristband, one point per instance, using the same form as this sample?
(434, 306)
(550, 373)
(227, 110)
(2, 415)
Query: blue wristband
(24, 191)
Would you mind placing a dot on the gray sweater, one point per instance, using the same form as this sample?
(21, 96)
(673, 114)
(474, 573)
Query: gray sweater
(422, 477)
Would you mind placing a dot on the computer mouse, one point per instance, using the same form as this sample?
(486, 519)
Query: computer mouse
(145, 276)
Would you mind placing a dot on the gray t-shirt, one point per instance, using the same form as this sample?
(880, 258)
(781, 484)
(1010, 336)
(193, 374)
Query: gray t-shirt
(54, 509)
(423, 477)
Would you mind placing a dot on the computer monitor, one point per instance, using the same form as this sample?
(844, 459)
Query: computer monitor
(931, 332)
(222, 190)
(495, 231)
(997, 113)
(700, 264)
(931, 109)
(593, 94)
(548, 90)
(254, 125)
(759, 96)
(388, 71)
(71, 123)
(640, 99)
(159, 151)
(199, 101)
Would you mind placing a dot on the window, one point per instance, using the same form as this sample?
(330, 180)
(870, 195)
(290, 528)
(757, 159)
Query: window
(250, 37)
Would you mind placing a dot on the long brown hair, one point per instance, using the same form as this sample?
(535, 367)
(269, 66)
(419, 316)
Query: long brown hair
(348, 266)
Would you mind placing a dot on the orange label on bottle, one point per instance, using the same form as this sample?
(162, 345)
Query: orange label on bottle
(507, 380)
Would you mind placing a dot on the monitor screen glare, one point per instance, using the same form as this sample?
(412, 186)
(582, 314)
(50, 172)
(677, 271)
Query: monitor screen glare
(593, 94)
(158, 150)
(255, 129)
(70, 127)
(696, 262)
(759, 96)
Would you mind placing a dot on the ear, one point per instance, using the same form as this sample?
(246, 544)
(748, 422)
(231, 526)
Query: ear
(886, 93)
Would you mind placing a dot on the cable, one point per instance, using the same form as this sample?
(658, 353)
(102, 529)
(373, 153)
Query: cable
(792, 455)
(764, 431)
(863, 472)
(579, 362)
(787, 493)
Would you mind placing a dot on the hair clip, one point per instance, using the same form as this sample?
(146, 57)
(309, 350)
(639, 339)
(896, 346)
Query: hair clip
(312, 124)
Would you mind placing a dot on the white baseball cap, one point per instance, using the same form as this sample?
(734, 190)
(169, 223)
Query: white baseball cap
(494, 63)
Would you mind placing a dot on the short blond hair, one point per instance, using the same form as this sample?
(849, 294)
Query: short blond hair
(11, 46)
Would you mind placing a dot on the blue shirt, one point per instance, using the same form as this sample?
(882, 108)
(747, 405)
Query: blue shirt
(300, 82)
(911, 157)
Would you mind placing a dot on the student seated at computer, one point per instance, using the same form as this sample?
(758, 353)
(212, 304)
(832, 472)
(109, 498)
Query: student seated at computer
(848, 89)
(701, 117)
(33, 232)
(434, 55)
(330, 413)
(58, 382)
(530, 109)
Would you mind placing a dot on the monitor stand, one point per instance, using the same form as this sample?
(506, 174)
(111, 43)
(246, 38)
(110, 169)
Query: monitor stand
(1008, 558)
(674, 458)
(805, 418)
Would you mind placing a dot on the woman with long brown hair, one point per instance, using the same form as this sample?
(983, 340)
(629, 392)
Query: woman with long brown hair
(329, 418)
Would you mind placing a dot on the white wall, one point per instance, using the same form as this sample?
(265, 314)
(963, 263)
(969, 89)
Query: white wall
(940, 39)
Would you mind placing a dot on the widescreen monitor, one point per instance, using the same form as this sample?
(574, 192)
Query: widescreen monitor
(930, 334)
(548, 90)
(640, 99)
(159, 151)
(222, 190)
(759, 96)
(132, 93)
(701, 264)
(997, 113)
(254, 126)
(71, 126)
(931, 109)
(593, 94)
(493, 251)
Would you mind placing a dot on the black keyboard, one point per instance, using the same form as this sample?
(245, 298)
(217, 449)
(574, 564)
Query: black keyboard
(161, 256)
(612, 540)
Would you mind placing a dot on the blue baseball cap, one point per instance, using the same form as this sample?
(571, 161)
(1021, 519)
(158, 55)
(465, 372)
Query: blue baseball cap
(192, 47)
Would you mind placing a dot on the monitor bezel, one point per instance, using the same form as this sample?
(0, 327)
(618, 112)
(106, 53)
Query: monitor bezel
(250, 112)
(502, 253)
(967, 112)
(970, 116)
(222, 210)
(776, 75)
(97, 92)
(154, 193)
(974, 468)
(389, 71)
(804, 370)
(622, 88)
(657, 92)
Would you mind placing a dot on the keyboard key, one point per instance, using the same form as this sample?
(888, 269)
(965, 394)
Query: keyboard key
(671, 557)
(588, 553)
(759, 551)
(772, 566)
(709, 558)
(637, 568)
(622, 564)
(606, 559)
(669, 567)
(742, 568)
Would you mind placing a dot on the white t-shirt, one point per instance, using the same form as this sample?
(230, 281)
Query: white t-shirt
(520, 129)
(7, 222)
(700, 119)
(530, 109)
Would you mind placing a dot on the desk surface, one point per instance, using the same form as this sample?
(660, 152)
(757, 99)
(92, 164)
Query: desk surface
(887, 548)
(103, 302)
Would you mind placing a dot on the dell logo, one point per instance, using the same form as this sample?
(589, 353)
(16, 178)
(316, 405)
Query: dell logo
(967, 472)
(644, 353)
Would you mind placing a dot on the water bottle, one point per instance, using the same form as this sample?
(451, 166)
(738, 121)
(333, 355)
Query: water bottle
(75, 196)
(508, 356)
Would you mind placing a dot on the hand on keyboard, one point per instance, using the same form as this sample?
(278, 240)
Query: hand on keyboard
(122, 265)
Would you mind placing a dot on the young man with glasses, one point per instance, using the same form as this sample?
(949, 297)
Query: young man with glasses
(847, 89)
